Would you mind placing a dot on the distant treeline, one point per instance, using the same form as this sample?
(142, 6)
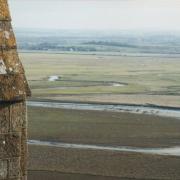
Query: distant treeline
(109, 43)
(98, 46)
(55, 47)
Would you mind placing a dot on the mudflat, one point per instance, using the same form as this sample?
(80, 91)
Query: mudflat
(46, 175)
(104, 163)
(103, 128)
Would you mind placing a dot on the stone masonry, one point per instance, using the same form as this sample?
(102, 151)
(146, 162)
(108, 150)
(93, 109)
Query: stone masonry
(13, 92)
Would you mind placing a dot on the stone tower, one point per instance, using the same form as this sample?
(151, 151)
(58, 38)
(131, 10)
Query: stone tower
(13, 92)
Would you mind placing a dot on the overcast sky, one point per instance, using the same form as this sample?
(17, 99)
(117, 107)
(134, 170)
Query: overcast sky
(96, 14)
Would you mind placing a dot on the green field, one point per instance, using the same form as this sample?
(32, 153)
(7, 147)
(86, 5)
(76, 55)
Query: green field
(93, 74)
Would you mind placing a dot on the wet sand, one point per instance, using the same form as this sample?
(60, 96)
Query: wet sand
(102, 129)
(104, 163)
(50, 175)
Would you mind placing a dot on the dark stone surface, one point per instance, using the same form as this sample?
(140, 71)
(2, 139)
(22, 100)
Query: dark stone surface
(13, 141)
(12, 146)
(18, 116)
(14, 168)
(13, 87)
(3, 169)
(24, 152)
(4, 119)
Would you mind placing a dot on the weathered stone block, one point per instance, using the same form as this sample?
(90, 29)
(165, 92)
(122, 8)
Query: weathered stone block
(13, 145)
(24, 178)
(4, 11)
(7, 38)
(24, 151)
(10, 145)
(3, 169)
(11, 61)
(3, 152)
(4, 118)
(13, 87)
(18, 116)
(14, 168)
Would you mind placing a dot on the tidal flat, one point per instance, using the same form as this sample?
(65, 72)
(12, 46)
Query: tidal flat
(101, 128)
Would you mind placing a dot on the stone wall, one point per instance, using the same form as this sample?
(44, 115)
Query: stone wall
(13, 148)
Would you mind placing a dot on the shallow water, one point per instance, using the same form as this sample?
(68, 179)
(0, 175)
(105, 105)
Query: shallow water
(172, 151)
(53, 78)
(118, 85)
(138, 109)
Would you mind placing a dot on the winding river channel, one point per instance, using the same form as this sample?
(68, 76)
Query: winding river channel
(172, 151)
(138, 109)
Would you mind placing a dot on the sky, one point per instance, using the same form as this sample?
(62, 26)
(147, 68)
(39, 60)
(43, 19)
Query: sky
(97, 14)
